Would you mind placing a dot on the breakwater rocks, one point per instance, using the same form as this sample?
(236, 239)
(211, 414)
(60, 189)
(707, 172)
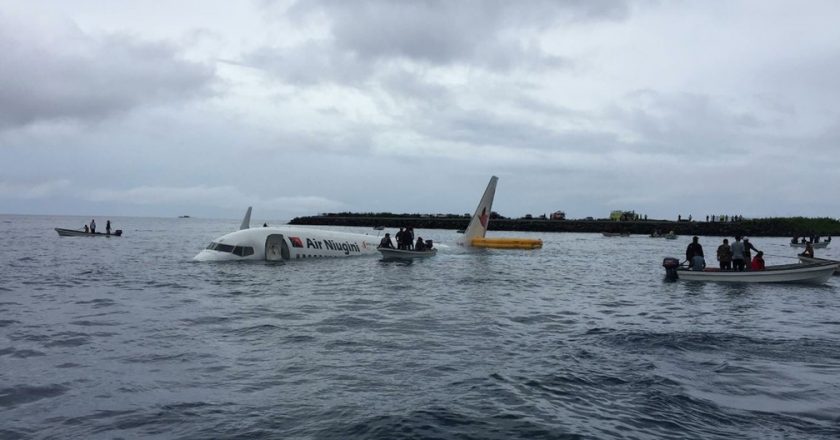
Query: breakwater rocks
(773, 227)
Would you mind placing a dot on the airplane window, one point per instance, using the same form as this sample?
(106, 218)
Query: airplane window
(243, 251)
(222, 247)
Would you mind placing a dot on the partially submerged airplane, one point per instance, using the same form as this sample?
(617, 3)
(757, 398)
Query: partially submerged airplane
(474, 235)
(284, 243)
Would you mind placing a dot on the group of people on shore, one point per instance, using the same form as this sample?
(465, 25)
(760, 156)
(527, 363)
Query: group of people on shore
(405, 241)
(735, 256)
(91, 229)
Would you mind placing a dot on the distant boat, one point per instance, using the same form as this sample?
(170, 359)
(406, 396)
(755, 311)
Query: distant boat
(379, 228)
(820, 245)
(460, 231)
(183, 216)
(616, 234)
(77, 233)
(403, 254)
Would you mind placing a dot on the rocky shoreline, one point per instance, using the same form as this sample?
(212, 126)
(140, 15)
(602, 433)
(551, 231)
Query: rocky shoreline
(780, 227)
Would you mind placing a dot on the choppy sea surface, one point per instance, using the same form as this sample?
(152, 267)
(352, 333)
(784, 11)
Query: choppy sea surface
(129, 338)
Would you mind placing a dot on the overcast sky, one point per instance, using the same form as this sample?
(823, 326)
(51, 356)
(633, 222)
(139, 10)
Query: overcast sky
(161, 108)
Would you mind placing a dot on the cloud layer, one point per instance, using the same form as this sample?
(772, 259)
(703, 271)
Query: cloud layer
(585, 106)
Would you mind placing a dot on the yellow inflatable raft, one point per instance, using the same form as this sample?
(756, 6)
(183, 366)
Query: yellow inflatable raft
(506, 243)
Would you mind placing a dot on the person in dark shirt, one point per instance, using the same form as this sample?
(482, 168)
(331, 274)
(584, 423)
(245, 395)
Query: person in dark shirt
(386, 242)
(420, 245)
(401, 239)
(748, 248)
(694, 255)
(108, 227)
(724, 255)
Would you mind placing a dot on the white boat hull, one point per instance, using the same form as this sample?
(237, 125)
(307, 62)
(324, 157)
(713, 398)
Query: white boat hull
(401, 254)
(809, 260)
(77, 233)
(820, 245)
(816, 273)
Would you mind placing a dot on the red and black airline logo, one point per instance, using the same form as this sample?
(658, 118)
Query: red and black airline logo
(296, 242)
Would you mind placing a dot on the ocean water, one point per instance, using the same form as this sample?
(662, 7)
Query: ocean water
(129, 338)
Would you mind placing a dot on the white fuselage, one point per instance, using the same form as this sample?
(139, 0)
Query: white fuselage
(287, 243)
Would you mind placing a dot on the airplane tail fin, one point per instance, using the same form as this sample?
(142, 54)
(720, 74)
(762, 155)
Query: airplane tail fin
(481, 219)
(246, 221)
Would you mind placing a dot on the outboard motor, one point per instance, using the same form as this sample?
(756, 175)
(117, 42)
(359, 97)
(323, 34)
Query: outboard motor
(118, 232)
(671, 264)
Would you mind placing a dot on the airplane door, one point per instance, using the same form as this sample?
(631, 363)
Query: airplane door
(276, 248)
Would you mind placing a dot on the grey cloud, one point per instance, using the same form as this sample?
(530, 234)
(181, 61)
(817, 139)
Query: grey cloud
(366, 34)
(69, 75)
(310, 64)
(691, 123)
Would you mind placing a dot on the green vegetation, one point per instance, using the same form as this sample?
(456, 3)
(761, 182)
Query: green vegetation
(802, 225)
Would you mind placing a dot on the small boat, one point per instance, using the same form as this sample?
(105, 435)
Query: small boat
(671, 236)
(819, 245)
(459, 231)
(378, 228)
(183, 216)
(77, 233)
(616, 234)
(809, 260)
(810, 273)
(405, 254)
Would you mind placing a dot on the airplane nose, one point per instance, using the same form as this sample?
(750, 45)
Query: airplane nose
(205, 255)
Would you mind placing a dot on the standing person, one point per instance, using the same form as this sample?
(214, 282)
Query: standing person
(758, 261)
(724, 255)
(108, 227)
(92, 226)
(694, 255)
(401, 239)
(409, 237)
(738, 254)
(748, 248)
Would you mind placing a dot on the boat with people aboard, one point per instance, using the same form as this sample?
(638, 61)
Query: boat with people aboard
(808, 273)
(809, 260)
(62, 232)
(405, 254)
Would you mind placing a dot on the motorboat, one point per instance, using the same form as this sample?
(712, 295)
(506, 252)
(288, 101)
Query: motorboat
(77, 233)
(378, 228)
(808, 260)
(616, 234)
(818, 245)
(808, 273)
(405, 254)
(671, 236)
